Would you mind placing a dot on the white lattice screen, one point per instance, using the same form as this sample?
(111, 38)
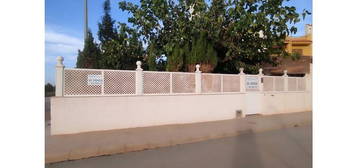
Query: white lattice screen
(211, 83)
(268, 83)
(156, 83)
(119, 82)
(75, 82)
(292, 84)
(231, 83)
(183, 82)
(95, 82)
(279, 83)
(301, 84)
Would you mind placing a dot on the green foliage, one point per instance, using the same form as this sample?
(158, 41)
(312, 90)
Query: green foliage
(106, 31)
(295, 56)
(107, 35)
(177, 57)
(225, 34)
(49, 90)
(202, 50)
(124, 52)
(152, 53)
(120, 50)
(90, 56)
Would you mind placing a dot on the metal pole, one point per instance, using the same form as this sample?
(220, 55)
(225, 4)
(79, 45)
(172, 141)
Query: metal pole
(85, 19)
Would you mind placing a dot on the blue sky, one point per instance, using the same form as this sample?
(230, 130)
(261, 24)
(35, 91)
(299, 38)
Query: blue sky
(64, 27)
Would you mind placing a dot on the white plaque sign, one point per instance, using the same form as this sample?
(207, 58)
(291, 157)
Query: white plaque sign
(252, 82)
(94, 80)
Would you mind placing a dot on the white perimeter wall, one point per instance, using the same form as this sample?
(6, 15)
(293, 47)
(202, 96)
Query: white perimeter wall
(83, 114)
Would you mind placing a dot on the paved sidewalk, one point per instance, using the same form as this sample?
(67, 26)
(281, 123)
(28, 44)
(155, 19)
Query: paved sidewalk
(84, 145)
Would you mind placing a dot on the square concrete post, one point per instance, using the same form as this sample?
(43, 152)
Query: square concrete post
(221, 76)
(286, 82)
(242, 80)
(171, 84)
(261, 84)
(308, 80)
(242, 88)
(139, 79)
(102, 86)
(59, 76)
(198, 79)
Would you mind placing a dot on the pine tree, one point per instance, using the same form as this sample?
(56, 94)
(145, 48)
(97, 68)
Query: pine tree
(202, 52)
(107, 31)
(107, 35)
(90, 56)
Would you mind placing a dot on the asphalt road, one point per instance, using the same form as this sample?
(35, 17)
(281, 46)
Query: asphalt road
(284, 148)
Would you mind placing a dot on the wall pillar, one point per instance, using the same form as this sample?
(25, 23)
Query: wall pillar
(242, 80)
(261, 84)
(59, 76)
(286, 80)
(198, 79)
(139, 79)
(308, 79)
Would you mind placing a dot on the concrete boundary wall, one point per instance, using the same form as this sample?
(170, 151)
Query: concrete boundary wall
(84, 114)
(95, 100)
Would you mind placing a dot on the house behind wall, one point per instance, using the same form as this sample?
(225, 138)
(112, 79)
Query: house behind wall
(301, 45)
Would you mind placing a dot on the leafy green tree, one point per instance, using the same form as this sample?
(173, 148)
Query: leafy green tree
(202, 52)
(120, 50)
(152, 55)
(154, 22)
(49, 90)
(90, 56)
(234, 33)
(178, 57)
(125, 51)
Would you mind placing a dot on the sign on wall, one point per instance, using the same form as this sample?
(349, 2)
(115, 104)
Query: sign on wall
(95, 80)
(252, 82)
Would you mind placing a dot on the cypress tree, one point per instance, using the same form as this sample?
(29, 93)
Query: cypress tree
(202, 52)
(90, 56)
(107, 31)
(107, 34)
(176, 60)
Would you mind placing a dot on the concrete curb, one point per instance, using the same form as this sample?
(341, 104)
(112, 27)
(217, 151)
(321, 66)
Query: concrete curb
(84, 145)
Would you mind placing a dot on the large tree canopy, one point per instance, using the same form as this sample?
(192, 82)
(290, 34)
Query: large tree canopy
(222, 35)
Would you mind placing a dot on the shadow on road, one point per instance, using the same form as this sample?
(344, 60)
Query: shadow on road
(282, 148)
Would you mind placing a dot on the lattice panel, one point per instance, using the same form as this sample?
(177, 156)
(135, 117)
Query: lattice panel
(231, 83)
(211, 83)
(75, 82)
(268, 83)
(183, 83)
(292, 84)
(155, 83)
(301, 84)
(279, 83)
(119, 82)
